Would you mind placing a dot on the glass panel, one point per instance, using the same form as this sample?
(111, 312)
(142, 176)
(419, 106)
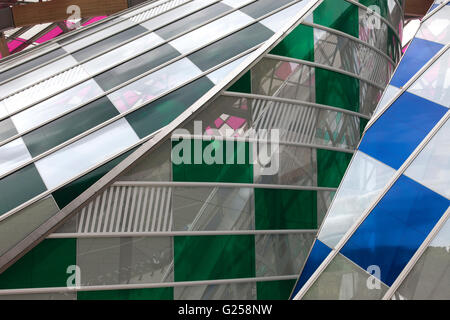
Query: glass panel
(434, 83)
(230, 291)
(331, 167)
(437, 27)
(369, 96)
(223, 72)
(299, 44)
(217, 257)
(262, 7)
(285, 209)
(212, 208)
(41, 296)
(122, 53)
(17, 226)
(362, 184)
(409, 119)
(12, 155)
(71, 125)
(127, 294)
(275, 290)
(154, 84)
(395, 228)
(107, 261)
(7, 129)
(63, 102)
(210, 32)
(236, 43)
(79, 156)
(281, 18)
(13, 190)
(342, 280)
(281, 254)
(338, 14)
(432, 166)
(192, 20)
(389, 93)
(376, 36)
(430, 277)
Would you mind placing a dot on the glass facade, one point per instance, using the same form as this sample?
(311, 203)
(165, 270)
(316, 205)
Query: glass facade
(238, 192)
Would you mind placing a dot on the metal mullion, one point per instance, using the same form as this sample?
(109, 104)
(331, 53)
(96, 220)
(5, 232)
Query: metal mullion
(147, 145)
(121, 115)
(144, 210)
(111, 17)
(367, 212)
(100, 54)
(292, 101)
(417, 255)
(149, 209)
(407, 85)
(324, 66)
(427, 16)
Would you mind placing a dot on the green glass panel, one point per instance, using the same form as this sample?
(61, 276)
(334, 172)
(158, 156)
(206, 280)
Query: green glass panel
(299, 44)
(128, 294)
(136, 66)
(66, 194)
(274, 290)
(362, 125)
(243, 84)
(331, 166)
(232, 161)
(44, 266)
(7, 129)
(337, 90)
(192, 20)
(230, 46)
(20, 187)
(285, 209)
(214, 257)
(161, 112)
(109, 42)
(338, 14)
(69, 126)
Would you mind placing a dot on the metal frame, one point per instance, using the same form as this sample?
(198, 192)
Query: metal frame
(50, 225)
(360, 220)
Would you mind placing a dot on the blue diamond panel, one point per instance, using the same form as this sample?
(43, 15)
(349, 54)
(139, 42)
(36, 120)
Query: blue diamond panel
(419, 52)
(395, 229)
(395, 135)
(318, 253)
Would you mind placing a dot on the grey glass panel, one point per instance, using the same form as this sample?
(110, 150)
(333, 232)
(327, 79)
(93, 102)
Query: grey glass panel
(262, 7)
(324, 199)
(136, 66)
(7, 129)
(236, 43)
(41, 296)
(192, 20)
(213, 209)
(105, 261)
(231, 291)
(281, 254)
(369, 96)
(19, 187)
(343, 280)
(429, 279)
(14, 228)
(31, 64)
(376, 36)
(107, 43)
(90, 29)
(69, 126)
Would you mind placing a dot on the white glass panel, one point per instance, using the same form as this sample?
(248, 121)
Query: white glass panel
(174, 14)
(388, 95)
(33, 31)
(236, 3)
(277, 20)
(437, 28)
(155, 84)
(122, 53)
(221, 73)
(211, 32)
(3, 111)
(56, 105)
(362, 185)
(37, 75)
(432, 165)
(12, 155)
(97, 36)
(76, 158)
(434, 84)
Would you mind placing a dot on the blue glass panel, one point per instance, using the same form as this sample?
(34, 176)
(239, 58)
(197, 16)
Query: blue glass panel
(419, 52)
(394, 136)
(318, 253)
(395, 228)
